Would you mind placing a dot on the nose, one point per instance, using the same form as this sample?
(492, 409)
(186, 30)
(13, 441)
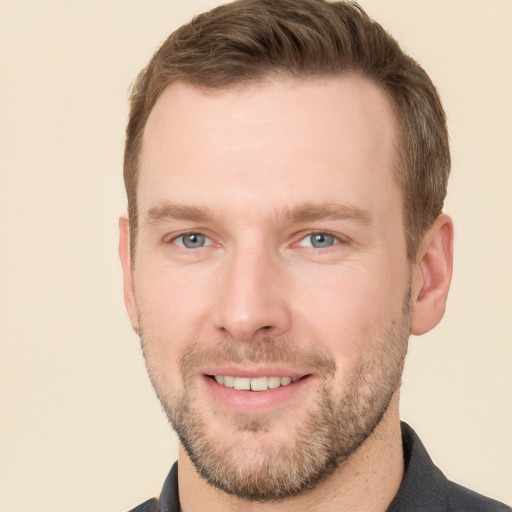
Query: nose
(253, 300)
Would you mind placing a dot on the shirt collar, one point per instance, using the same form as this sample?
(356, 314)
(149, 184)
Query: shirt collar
(421, 489)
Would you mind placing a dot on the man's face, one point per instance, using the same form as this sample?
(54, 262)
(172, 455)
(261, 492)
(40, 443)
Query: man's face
(271, 254)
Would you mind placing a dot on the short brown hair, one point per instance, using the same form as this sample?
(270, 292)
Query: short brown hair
(248, 40)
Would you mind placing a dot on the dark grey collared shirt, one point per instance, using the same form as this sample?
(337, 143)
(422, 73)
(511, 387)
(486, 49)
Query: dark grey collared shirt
(424, 488)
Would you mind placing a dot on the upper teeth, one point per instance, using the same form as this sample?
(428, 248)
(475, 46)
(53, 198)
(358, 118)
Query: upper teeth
(256, 384)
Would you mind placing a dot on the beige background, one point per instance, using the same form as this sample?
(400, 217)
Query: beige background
(80, 429)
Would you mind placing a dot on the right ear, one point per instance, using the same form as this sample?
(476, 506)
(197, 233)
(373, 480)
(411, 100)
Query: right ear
(126, 262)
(432, 276)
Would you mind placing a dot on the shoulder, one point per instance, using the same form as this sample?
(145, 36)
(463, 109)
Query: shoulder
(169, 500)
(461, 499)
(151, 505)
(425, 488)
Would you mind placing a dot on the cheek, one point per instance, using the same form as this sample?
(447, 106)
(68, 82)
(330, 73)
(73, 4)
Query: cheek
(348, 313)
(171, 300)
(171, 309)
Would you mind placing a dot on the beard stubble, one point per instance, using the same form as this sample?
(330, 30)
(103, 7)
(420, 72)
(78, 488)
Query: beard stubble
(330, 431)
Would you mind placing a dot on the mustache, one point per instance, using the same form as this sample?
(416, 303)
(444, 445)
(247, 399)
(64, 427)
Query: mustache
(266, 350)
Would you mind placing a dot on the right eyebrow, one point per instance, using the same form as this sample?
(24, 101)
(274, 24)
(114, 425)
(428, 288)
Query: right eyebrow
(172, 211)
(327, 211)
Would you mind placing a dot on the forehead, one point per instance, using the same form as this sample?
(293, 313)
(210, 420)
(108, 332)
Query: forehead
(282, 141)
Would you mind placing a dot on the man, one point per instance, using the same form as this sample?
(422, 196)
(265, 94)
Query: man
(286, 167)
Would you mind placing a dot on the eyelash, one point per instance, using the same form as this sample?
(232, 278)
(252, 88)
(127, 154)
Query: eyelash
(337, 239)
(182, 236)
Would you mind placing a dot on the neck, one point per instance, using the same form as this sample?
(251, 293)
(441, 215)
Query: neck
(367, 481)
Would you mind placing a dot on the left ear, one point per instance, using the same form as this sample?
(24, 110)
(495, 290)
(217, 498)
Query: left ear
(126, 262)
(432, 274)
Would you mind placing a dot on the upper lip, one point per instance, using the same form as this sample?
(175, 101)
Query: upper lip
(255, 372)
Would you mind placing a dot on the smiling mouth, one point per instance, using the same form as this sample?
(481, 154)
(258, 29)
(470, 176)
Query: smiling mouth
(253, 384)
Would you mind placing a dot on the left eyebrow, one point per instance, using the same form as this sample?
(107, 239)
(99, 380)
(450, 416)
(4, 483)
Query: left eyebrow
(308, 212)
(173, 211)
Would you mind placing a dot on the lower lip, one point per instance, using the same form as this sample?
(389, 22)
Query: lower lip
(247, 402)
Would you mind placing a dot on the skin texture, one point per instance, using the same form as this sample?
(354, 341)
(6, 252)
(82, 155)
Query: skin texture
(256, 171)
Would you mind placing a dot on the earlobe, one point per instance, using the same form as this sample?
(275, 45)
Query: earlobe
(432, 275)
(126, 262)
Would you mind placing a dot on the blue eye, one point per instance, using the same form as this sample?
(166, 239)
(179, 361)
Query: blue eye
(192, 241)
(319, 240)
